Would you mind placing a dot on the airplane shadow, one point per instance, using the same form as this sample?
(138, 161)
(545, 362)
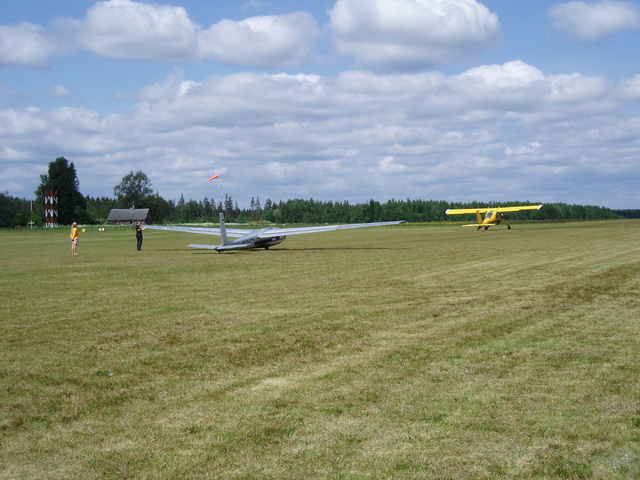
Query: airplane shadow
(329, 248)
(273, 250)
(171, 250)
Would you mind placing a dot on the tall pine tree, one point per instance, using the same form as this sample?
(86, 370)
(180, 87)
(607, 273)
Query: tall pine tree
(62, 178)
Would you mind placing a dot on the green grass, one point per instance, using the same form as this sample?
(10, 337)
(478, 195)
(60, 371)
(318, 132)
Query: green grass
(406, 352)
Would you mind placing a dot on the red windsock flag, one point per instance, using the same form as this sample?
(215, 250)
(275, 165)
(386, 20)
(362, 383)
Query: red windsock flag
(213, 178)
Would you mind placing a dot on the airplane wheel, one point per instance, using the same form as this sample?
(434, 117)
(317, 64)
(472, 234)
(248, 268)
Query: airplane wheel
(508, 227)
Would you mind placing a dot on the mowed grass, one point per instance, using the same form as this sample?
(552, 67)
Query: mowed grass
(408, 352)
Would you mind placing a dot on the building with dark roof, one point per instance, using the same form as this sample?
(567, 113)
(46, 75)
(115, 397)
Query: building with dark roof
(128, 216)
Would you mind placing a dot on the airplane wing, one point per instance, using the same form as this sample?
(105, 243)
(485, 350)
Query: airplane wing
(457, 211)
(277, 232)
(231, 232)
(207, 247)
(517, 209)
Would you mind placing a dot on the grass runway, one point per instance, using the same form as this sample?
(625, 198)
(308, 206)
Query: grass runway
(405, 352)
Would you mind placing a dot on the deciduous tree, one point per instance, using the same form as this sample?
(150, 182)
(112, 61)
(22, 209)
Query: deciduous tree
(133, 190)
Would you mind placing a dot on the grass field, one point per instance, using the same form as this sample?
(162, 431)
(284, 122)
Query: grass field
(405, 352)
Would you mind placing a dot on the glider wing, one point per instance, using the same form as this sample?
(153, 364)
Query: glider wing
(277, 232)
(231, 232)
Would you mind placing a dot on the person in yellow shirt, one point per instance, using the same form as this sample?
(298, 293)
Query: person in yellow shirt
(74, 238)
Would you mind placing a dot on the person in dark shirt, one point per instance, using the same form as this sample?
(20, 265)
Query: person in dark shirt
(139, 230)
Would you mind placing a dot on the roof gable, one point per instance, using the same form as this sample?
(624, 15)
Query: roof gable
(128, 215)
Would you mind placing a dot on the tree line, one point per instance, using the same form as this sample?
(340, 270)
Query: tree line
(135, 191)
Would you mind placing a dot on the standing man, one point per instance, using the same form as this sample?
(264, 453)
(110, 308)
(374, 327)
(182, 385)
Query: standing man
(139, 230)
(74, 239)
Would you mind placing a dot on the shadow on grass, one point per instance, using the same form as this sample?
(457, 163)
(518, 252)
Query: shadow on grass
(272, 250)
(331, 248)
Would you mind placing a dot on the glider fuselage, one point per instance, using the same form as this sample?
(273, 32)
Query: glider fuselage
(253, 240)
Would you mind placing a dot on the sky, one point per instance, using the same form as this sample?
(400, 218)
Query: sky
(331, 100)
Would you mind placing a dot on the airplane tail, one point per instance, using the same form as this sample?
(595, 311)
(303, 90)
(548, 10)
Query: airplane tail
(223, 230)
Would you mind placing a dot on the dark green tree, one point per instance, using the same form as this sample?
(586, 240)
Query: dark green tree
(72, 206)
(161, 210)
(191, 212)
(207, 210)
(133, 190)
(100, 207)
(228, 204)
(15, 212)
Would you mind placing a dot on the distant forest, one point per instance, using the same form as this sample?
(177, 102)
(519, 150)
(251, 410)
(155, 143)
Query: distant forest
(628, 213)
(134, 191)
(16, 212)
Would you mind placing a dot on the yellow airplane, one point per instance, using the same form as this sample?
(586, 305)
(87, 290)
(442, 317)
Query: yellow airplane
(493, 216)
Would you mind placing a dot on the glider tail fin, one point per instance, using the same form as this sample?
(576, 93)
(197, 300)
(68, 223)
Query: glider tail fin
(223, 230)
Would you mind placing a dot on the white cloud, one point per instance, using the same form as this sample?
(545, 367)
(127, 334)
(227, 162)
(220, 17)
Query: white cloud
(630, 89)
(281, 136)
(410, 35)
(597, 20)
(388, 165)
(531, 148)
(10, 154)
(510, 84)
(125, 29)
(27, 44)
(58, 91)
(267, 41)
(131, 30)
